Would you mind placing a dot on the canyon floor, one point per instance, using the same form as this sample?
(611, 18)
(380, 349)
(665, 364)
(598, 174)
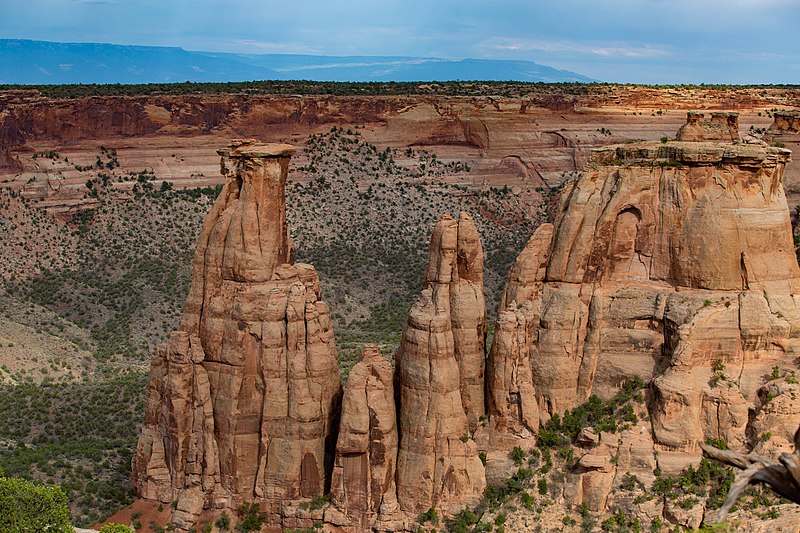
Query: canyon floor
(102, 199)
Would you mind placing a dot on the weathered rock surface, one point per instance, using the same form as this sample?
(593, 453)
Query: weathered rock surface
(363, 480)
(513, 411)
(785, 128)
(723, 126)
(439, 369)
(672, 262)
(243, 401)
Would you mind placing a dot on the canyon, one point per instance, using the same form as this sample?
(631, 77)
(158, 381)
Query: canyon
(610, 282)
(667, 264)
(513, 138)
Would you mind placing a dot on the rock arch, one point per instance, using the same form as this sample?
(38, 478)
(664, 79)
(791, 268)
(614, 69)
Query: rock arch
(625, 260)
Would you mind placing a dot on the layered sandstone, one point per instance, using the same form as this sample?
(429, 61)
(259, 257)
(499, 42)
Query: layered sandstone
(673, 262)
(723, 126)
(243, 401)
(512, 406)
(785, 127)
(439, 376)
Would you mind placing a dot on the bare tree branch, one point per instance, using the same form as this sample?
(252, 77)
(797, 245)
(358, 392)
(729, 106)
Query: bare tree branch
(783, 477)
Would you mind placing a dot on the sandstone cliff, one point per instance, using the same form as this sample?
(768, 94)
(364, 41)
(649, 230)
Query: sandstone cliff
(243, 402)
(670, 262)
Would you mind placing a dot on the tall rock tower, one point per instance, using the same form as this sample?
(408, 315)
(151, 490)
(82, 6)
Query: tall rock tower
(242, 403)
(439, 359)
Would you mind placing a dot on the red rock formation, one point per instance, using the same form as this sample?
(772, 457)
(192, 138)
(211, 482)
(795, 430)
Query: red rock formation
(785, 128)
(438, 464)
(722, 127)
(243, 402)
(363, 480)
(665, 260)
(513, 411)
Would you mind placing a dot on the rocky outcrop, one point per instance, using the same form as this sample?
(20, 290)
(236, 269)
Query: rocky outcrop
(243, 401)
(512, 407)
(439, 376)
(723, 126)
(672, 262)
(785, 127)
(363, 480)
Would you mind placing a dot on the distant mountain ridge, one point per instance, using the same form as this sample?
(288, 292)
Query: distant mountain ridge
(44, 62)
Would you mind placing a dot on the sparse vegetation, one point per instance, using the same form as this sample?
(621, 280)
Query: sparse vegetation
(80, 436)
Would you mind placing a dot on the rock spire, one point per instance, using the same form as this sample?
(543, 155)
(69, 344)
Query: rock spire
(439, 363)
(243, 401)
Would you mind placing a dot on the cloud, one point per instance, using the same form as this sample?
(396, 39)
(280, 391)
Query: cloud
(597, 49)
(266, 47)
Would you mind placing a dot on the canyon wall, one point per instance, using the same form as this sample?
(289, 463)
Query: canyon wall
(527, 136)
(671, 263)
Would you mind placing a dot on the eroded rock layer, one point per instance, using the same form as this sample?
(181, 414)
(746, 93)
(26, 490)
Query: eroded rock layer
(439, 374)
(671, 262)
(243, 401)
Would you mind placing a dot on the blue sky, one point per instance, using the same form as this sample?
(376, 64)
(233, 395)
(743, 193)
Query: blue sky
(648, 41)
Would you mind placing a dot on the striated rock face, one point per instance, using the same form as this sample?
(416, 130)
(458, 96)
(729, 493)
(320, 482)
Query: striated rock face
(671, 262)
(439, 376)
(723, 126)
(363, 480)
(243, 401)
(513, 410)
(785, 128)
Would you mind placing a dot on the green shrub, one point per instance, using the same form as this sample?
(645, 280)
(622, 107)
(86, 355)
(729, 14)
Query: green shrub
(517, 455)
(115, 528)
(429, 516)
(462, 522)
(26, 507)
(251, 517)
(223, 523)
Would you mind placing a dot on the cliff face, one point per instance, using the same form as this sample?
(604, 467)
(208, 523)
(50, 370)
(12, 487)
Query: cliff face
(671, 262)
(243, 401)
(111, 116)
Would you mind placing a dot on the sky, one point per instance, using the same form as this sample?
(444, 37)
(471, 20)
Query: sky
(639, 41)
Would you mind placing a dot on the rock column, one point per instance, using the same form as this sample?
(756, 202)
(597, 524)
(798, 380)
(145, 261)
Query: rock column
(243, 403)
(438, 464)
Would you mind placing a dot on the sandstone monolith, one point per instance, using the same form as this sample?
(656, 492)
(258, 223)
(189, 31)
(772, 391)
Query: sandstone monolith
(439, 359)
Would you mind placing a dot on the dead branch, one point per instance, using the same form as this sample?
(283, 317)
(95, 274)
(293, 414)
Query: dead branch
(783, 476)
